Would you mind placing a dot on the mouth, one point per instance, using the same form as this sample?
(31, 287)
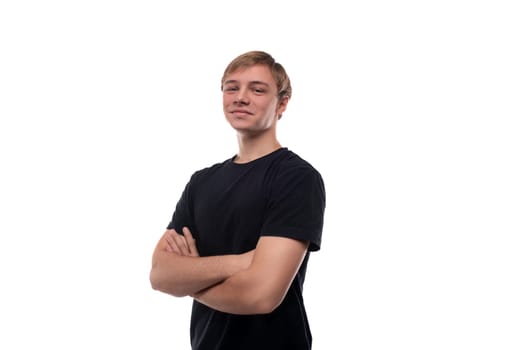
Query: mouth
(240, 112)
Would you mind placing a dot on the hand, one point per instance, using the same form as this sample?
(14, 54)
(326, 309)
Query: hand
(182, 244)
(162, 246)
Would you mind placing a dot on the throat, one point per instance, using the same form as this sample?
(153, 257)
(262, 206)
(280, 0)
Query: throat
(246, 155)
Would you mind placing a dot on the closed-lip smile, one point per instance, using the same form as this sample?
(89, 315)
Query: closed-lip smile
(241, 111)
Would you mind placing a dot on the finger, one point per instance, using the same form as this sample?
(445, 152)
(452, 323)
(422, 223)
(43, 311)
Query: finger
(162, 244)
(165, 241)
(183, 246)
(192, 247)
(187, 233)
(172, 244)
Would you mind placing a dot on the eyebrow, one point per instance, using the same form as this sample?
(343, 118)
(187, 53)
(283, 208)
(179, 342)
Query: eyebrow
(255, 82)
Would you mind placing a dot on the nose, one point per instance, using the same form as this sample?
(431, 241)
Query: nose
(241, 97)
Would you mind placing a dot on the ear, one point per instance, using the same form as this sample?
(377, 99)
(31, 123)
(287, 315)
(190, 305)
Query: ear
(281, 106)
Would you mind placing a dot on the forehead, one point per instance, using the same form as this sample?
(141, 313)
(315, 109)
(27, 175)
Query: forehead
(256, 73)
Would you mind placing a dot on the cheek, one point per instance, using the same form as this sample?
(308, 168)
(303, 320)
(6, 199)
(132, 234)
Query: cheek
(227, 100)
(224, 104)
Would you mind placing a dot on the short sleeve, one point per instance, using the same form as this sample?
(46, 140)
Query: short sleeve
(182, 215)
(296, 206)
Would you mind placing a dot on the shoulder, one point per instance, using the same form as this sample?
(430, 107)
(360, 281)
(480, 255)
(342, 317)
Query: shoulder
(290, 171)
(210, 170)
(290, 163)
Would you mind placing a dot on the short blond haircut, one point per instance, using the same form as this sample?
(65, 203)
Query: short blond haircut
(252, 58)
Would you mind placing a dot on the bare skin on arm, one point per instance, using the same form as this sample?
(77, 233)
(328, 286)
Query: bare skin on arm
(258, 289)
(235, 203)
(178, 270)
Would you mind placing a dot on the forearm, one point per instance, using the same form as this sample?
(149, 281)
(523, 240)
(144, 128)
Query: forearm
(239, 294)
(261, 287)
(179, 275)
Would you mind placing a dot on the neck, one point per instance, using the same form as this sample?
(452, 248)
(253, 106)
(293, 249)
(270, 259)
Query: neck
(254, 147)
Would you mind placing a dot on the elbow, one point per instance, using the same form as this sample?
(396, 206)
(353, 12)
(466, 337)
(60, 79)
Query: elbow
(154, 280)
(266, 304)
(265, 308)
(262, 298)
(161, 284)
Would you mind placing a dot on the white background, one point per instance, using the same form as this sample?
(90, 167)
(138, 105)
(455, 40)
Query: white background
(411, 110)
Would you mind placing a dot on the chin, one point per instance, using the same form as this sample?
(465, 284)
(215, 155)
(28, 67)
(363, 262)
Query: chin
(240, 125)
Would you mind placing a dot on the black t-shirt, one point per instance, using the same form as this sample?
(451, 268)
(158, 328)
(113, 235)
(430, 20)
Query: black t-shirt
(227, 207)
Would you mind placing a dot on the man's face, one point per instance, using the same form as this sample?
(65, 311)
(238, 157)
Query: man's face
(250, 101)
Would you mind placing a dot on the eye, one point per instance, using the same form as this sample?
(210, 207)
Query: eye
(259, 90)
(231, 88)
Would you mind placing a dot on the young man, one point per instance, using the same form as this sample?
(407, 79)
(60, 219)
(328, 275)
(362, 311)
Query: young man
(241, 234)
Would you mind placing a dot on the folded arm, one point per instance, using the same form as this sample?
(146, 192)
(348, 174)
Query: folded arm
(263, 285)
(181, 272)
